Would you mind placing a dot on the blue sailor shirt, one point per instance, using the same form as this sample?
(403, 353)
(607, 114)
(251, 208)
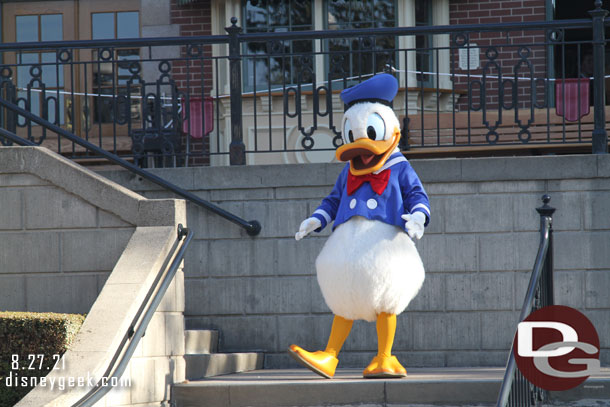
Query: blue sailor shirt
(403, 194)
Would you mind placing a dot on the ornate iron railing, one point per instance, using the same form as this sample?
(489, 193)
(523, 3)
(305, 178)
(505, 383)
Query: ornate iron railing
(516, 390)
(247, 97)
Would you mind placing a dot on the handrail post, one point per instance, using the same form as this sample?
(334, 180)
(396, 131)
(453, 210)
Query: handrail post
(546, 222)
(237, 149)
(539, 294)
(600, 136)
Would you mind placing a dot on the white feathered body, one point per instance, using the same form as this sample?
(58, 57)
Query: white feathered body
(367, 267)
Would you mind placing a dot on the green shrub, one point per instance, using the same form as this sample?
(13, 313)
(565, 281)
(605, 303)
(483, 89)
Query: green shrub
(30, 345)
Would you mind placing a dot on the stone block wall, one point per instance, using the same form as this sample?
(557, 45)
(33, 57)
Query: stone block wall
(56, 248)
(478, 250)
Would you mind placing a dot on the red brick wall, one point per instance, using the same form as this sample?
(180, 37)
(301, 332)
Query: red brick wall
(194, 20)
(496, 11)
(490, 12)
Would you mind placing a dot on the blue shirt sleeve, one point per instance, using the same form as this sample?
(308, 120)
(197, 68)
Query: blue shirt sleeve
(327, 211)
(413, 193)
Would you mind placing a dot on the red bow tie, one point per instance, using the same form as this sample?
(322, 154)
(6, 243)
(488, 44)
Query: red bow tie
(378, 181)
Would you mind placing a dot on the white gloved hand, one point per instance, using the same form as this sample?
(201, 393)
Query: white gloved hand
(307, 226)
(415, 224)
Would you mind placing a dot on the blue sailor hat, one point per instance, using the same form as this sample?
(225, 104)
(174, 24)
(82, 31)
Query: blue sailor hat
(380, 88)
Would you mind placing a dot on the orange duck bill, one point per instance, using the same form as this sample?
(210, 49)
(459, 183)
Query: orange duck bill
(366, 155)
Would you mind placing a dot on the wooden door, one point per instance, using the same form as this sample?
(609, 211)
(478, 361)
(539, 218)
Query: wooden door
(80, 94)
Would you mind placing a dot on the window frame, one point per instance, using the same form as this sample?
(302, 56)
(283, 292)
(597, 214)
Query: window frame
(101, 88)
(429, 78)
(222, 11)
(56, 91)
(251, 86)
(352, 79)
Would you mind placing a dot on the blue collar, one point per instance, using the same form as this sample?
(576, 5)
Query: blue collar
(393, 159)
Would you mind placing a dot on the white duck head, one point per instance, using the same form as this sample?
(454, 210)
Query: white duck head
(371, 130)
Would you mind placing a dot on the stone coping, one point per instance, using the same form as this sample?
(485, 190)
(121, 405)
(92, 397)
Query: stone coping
(94, 188)
(429, 170)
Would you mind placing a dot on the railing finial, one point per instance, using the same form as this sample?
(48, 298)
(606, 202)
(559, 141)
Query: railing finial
(598, 4)
(234, 21)
(545, 209)
(182, 231)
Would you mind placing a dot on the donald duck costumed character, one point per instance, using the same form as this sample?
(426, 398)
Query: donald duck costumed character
(369, 267)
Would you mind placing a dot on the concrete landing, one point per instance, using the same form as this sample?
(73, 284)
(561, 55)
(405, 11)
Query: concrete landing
(422, 387)
(300, 387)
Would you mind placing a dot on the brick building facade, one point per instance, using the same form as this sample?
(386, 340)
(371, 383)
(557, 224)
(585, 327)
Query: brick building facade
(270, 67)
(194, 19)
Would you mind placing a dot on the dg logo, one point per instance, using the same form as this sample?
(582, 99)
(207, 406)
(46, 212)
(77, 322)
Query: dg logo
(556, 348)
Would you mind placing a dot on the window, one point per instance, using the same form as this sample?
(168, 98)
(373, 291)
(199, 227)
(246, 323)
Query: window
(360, 56)
(423, 43)
(109, 79)
(276, 64)
(35, 28)
(272, 64)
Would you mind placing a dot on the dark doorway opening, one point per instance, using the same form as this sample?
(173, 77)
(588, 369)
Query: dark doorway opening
(574, 57)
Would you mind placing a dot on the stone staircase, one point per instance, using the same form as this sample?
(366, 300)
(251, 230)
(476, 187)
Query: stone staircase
(238, 380)
(203, 360)
(300, 387)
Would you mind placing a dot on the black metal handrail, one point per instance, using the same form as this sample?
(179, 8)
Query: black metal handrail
(15, 138)
(139, 323)
(516, 390)
(114, 43)
(293, 35)
(417, 30)
(252, 227)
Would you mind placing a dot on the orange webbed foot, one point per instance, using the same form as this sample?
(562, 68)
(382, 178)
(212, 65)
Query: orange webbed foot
(320, 362)
(384, 367)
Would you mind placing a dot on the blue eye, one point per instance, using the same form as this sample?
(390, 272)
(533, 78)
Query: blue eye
(375, 127)
(348, 134)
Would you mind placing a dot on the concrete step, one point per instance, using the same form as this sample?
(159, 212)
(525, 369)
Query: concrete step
(300, 387)
(199, 366)
(422, 387)
(201, 341)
